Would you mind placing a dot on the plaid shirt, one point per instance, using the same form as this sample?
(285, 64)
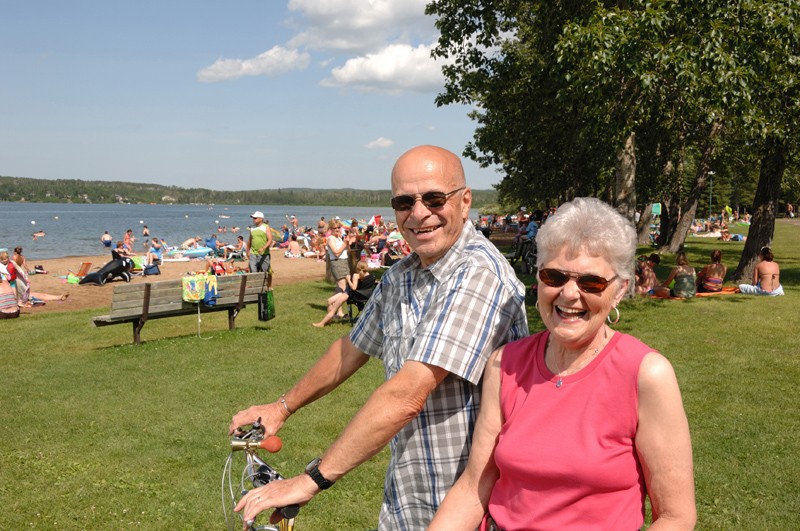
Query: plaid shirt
(452, 315)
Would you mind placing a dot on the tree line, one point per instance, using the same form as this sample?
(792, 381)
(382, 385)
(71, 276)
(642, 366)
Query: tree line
(79, 191)
(693, 105)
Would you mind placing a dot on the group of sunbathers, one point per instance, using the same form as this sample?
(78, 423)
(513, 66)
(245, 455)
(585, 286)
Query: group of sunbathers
(684, 282)
(15, 286)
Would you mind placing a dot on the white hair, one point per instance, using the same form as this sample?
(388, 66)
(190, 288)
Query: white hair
(589, 225)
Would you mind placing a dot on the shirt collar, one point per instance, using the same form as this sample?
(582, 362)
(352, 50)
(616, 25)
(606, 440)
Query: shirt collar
(444, 267)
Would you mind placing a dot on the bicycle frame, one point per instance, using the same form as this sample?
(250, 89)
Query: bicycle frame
(255, 473)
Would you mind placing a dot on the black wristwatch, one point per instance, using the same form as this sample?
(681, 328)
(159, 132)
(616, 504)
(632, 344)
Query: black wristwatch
(312, 469)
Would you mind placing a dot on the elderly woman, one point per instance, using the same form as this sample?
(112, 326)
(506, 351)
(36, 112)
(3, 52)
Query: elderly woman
(711, 277)
(766, 276)
(578, 422)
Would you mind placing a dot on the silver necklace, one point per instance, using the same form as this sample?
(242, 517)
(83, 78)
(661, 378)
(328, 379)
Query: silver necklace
(560, 381)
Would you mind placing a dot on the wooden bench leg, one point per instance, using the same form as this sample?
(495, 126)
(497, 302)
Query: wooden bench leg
(137, 328)
(232, 313)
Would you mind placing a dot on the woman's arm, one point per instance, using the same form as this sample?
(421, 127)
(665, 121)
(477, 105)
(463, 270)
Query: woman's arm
(755, 273)
(467, 502)
(352, 281)
(664, 446)
(670, 278)
(701, 276)
(336, 252)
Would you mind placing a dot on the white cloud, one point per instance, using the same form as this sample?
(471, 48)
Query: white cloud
(359, 26)
(276, 60)
(396, 68)
(379, 143)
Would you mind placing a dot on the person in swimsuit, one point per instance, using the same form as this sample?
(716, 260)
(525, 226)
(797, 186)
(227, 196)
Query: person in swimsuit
(710, 278)
(684, 276)
(646, 279)
(766, 276)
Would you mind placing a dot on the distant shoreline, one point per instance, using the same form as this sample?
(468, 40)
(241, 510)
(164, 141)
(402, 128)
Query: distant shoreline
(75, 191)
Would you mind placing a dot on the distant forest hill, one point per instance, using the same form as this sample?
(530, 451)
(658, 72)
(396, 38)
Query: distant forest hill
(23, 189)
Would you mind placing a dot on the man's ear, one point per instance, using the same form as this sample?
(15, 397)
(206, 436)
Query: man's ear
(466, 203)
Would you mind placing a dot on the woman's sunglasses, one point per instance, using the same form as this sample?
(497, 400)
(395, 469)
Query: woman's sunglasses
(555, 278)
(404, 203)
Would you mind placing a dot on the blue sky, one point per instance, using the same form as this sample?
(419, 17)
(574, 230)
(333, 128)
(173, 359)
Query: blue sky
(223, 95)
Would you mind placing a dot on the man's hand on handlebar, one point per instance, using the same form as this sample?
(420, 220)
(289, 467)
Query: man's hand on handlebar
(273, 415)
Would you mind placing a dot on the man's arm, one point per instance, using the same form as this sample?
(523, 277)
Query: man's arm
(340, 361)
(393, 405)
(390, 407)
(269, 238)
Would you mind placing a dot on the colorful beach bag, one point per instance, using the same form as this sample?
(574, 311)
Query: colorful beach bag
(266, 306)
(193, 287)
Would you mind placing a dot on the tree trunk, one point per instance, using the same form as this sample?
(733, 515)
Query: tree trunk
(670, 212)
(690, 207)
(625, 197)
(762, 225)
(645, 220)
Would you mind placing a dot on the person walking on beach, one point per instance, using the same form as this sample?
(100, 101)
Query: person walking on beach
(433, 321)
(259, 243)
(128, 241)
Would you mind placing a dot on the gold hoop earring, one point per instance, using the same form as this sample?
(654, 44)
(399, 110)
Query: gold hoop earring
(608, 317)
(536, 305)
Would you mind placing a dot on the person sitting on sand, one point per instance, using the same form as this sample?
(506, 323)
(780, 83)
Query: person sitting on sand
(710, 278)
(236, 250)
(646, 279)
(360, 286)
(684, 276)
(107, 239)
(285, 238)
(9, 308)
(766, 276)
(155, 253)
(17, 279)
(18, 259)
(120, 252)
(293, 251)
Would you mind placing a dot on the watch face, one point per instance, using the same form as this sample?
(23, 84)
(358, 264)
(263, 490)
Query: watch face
(313, 464)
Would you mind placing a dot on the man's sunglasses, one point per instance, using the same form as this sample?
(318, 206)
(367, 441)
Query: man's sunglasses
(555, 278)
(404, 203)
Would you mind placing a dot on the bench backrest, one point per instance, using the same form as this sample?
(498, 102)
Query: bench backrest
(166, 295)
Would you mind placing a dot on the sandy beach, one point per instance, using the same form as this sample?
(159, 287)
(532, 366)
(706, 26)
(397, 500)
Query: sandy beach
(286, 271)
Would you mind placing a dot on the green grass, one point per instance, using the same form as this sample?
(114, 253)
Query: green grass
(97, 433)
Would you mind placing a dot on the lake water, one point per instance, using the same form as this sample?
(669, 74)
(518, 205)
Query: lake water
(75, 229)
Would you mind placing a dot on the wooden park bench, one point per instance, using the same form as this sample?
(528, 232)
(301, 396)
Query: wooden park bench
(140, 302)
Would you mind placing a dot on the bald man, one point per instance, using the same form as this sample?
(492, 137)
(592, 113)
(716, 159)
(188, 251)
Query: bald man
(433, 321)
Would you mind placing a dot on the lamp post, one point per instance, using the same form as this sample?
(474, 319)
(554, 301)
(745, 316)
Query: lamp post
(710, 191)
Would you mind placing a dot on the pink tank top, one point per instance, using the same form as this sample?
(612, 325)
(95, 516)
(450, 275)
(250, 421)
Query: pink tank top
(566, 455)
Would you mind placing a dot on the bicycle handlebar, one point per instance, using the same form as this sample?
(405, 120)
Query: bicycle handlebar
(272, 444)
